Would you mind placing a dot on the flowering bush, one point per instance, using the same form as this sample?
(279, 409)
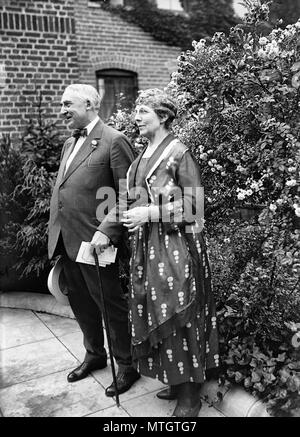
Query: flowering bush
(238, 98)
(239, 112)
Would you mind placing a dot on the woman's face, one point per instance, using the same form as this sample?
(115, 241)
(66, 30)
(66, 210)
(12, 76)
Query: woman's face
(147, 120)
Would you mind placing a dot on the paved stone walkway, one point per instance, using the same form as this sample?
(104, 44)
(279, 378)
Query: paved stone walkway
(39, 349)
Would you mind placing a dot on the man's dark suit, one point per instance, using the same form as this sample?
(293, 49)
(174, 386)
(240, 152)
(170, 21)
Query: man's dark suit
(101, 161)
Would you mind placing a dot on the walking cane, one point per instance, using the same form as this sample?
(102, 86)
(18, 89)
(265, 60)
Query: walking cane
(106, 324)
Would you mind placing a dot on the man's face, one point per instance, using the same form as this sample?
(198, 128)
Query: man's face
(74, 110)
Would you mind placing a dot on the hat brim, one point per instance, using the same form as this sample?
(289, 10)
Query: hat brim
(56, 283)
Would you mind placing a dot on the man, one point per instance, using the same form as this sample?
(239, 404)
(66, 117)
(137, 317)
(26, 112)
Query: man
(96, 156)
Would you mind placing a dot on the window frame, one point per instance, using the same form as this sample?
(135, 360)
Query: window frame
(113, 73)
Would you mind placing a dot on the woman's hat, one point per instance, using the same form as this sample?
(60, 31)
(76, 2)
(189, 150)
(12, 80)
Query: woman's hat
(57, 283)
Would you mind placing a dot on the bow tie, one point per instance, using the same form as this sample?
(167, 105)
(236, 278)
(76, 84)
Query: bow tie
(80, 133)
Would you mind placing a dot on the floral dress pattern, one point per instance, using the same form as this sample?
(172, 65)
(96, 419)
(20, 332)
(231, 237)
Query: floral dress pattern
(172, 311)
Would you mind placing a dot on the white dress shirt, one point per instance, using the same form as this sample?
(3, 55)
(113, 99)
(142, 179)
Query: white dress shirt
(80, 141)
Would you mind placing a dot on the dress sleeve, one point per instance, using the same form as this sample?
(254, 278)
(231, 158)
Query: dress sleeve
(186, 206)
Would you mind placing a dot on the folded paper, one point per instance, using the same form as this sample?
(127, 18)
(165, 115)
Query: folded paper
(85, 256)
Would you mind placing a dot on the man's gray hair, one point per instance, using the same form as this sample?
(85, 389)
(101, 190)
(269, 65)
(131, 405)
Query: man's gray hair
(86, 92)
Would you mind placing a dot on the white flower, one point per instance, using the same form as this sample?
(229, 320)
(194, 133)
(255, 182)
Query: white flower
(203, 156)
(241, 196)
(255, 185)
(291, 183)
(263, 41)
(297, 209)
(261, 53)
(240, 168)
(273, 207)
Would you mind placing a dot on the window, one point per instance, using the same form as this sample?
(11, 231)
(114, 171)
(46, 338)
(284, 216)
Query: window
(238, 8)
(174, 5)
(116, 86)
(116, 2)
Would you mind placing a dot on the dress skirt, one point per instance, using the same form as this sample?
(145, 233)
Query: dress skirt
(172, 308)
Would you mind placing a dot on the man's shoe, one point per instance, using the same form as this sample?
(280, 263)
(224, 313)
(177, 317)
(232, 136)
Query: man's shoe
(124, 381)
(169, 393)
(84, 369)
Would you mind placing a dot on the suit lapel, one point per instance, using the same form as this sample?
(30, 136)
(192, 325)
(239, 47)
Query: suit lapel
(85, 150)
(68, 150)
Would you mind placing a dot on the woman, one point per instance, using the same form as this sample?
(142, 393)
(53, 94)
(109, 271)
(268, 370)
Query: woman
(172, 312)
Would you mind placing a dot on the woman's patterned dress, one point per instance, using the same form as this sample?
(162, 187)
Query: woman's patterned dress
(172, 310)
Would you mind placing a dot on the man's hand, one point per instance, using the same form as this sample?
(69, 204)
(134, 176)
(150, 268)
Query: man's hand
(99, 242)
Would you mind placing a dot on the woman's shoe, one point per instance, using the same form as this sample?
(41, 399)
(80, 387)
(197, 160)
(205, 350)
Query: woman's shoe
(169, 393)
(189, 402)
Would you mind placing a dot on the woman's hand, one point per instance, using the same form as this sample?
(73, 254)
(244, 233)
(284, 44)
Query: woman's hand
(138, 216)
(135, 217)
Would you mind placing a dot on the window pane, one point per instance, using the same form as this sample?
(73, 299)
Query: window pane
(116, 86)
(169, 4)
(116, 2)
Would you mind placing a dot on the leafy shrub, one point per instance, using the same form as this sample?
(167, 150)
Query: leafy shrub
(238, 98)
(176, 29)
(239, 112)
(28, 170)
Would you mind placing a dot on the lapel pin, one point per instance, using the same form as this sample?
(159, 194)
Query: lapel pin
(94, 144)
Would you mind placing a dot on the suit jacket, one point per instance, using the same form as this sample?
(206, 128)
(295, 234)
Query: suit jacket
(101, 161)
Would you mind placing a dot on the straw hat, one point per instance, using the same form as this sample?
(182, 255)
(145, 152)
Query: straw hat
(57, 283)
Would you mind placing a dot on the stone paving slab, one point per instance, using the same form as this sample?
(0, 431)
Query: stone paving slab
(53, 396)
(74, 343)
(58, 355)
(110, 412)
(59, 325)
(15, 317)
(11, 336)
(30, 361)
(36, 302)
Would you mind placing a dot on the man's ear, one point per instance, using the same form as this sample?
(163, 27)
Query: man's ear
(88, 104)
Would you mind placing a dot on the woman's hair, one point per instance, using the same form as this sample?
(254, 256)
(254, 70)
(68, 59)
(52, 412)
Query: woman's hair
(86, 92)
(160, 102)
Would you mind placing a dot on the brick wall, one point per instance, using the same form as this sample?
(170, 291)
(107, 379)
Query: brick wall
(106, 41)
(38, 51)
(47, 45)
